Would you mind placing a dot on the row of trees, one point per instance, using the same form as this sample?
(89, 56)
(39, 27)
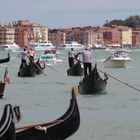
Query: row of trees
(132, 21)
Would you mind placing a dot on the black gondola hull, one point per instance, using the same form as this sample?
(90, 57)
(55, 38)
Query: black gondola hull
(5, 59)
(93, 83)
(92, 87)
(59, 129)
(27, 71)
(76, 70)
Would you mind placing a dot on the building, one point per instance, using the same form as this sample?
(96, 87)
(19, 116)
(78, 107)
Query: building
(30, 32)
(23, 36)
(126, 36)
(57, 37)
(40, 33)
(7, 34)
(136, 37)
(118, 36)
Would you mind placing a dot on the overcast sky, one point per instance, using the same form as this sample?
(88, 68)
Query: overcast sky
(67, 13)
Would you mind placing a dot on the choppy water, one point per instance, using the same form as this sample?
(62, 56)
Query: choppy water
(113, 116)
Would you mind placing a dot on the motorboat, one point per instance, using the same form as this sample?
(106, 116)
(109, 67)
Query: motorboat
(42, 46)
(117, 59)
(49, 57)
(71, 44)
(13, 47)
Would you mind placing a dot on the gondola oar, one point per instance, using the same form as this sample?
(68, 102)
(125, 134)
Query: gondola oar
(51, 68)
(115, 78)
(120, 80)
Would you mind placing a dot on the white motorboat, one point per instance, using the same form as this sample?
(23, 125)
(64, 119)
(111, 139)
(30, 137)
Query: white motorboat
(42, 46)
(117, 59)
(71, 44)
(13, 47)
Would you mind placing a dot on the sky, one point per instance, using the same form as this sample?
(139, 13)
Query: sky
(67, 13)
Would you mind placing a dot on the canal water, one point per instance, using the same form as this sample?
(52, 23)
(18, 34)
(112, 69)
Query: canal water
(112, 116)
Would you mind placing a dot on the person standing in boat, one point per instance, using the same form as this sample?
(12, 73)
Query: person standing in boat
(87, 60)
(23, 55)
(31, 54)
(71, 56)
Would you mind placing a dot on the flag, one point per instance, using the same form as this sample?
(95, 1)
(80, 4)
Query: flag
(7, 77)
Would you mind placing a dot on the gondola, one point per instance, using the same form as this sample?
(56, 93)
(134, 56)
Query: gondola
(39, 67)
(27, 70)
(76, 70)
(7, 123)
(4, 60)
(58, 129)
(2, 87)
(93, 83)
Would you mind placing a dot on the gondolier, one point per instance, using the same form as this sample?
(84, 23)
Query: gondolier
(87, 60)
(31, 54)
(71, 55)
(23, 55)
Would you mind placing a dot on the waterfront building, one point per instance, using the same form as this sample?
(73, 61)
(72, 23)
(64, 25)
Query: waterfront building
(32, 32)
(136, 37)
(40, 32)
(111, 36)
(23, 36)
(118, 36)
(57, 37)
(23, 32)
(88, 38)
(126, 36)
(7, 34)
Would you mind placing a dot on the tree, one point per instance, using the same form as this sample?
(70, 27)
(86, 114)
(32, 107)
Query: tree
(131, 21)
